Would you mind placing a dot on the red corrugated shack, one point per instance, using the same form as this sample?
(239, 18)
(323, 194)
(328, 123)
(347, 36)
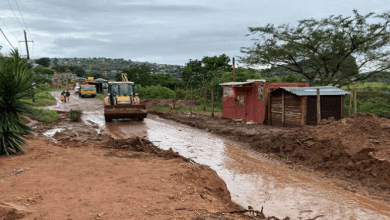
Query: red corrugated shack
(249, 100)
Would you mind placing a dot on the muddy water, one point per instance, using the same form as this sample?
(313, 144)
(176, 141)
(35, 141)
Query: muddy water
(251, 178)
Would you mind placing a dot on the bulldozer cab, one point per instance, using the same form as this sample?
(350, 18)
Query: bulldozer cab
(120, 103)
(121, 92)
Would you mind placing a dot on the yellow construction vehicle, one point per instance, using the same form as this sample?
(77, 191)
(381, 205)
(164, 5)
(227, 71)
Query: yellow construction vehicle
(89, 79)
(122, 102)
(87, 90)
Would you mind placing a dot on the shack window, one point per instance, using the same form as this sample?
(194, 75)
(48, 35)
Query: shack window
(260, 92)
(227, 92)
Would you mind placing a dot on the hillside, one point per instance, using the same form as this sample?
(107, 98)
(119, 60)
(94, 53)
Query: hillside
(109, 66)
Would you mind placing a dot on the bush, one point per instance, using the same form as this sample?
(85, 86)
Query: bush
(155, 92)
(75, 115)
(100, 96)
(15, 84)
(180, 94)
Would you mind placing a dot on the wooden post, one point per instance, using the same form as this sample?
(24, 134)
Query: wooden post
(265, 98)
(190, 102)
(212, 102)
(283, 107)
(318, 106)
(303, 110)
(355, 101)
(342, 107)
(234, 74)
(350, 103)
(174, 99)
(205, 97)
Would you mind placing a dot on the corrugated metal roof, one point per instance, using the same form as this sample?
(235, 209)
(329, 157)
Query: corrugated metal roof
(310, 91)
(235, 83)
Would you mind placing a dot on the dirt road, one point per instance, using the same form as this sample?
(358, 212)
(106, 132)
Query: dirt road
(251, 178)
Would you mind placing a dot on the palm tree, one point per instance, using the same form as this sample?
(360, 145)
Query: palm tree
(15, 84)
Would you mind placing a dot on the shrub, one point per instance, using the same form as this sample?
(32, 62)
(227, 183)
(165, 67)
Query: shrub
(180, 93)
(155, 92)
(75, 115)
(15, 84)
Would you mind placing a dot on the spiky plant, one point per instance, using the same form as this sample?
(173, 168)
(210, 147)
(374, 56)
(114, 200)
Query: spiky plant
(15, 84)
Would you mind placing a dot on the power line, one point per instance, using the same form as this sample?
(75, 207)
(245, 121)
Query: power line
(8, 28)
(23, 20)
(7, 39)
(15, 14)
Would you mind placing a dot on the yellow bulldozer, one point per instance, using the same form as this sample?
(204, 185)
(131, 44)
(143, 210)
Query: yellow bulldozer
(122, 102)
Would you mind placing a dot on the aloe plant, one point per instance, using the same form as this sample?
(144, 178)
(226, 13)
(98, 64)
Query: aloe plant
(15, 84)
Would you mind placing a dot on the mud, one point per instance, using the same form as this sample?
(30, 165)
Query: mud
(204, 195)
(254, 179)
(355, 149)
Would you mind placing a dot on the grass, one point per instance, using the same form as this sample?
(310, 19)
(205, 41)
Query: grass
(100, 96)
(42, 96)
(372, 97)
(186, 109)
(46, 116)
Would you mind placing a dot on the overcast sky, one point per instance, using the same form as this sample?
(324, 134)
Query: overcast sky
(157, 31)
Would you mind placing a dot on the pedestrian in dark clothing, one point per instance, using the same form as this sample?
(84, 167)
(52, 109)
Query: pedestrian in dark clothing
(63, 96)
(67, 95)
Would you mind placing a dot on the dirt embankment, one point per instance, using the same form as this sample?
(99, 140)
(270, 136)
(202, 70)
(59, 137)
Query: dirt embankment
(86, 174)
(355, 150)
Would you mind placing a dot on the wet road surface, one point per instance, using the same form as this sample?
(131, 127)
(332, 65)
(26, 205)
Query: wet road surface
(251, 178)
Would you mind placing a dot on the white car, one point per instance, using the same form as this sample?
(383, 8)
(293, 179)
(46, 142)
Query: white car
(76, 89)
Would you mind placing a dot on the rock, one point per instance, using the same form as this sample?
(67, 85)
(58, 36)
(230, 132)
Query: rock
(10, 211)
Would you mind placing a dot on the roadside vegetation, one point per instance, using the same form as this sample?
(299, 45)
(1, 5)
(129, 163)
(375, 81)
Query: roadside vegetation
(100, 96)
(45, 116)
(15, 84)
(372, 97)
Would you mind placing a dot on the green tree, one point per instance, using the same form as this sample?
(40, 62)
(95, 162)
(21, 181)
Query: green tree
(323, 51)
(44, 61)
(61, 68)
(242, 75)
(138, 74)
(15, 84)
(165, 80)
(79, 71)
(43, 70)
(197, 72)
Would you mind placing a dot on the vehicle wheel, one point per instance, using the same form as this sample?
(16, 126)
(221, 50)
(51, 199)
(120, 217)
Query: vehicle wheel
(108, 119)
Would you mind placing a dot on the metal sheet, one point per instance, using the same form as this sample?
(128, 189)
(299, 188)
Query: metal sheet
(312, 91)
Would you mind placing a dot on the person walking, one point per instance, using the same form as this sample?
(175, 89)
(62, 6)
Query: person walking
(67, 95)
(63, 96)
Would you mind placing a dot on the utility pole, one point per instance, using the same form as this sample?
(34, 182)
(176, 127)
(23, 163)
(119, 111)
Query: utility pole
(234, 71)
(26, 41)
(28, 58)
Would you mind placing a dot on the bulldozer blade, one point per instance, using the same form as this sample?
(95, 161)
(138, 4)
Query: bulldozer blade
(125, 111)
